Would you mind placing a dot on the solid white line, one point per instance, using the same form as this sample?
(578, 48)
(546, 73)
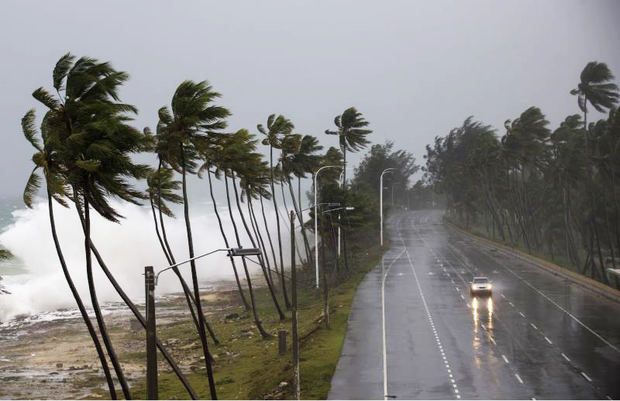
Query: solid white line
(549, 341)
(385, 386)
(586, 376)
(565, 357)
(519, 378)
(534, 326)
(505, 359)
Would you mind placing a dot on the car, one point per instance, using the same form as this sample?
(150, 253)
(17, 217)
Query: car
(481, 286)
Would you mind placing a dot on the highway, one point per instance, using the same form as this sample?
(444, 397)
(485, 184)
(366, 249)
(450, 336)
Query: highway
(415, 332)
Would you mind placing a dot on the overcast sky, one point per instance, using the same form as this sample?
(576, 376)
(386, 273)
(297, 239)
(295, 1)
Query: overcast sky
(415, 69)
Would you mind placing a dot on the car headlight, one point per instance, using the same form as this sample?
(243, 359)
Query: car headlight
(490, 286)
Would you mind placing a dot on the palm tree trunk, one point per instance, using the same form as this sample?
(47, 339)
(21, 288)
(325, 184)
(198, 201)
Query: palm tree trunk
(189, 298)
(190, 244)
(232, 258)
(80, 304)
(344, 205)
(259, 326)
(275, 207)
(273, 253)
(301, 223)
(325, 289)
(259, 237)
(137, 314)
(260, 257)
(97, 309)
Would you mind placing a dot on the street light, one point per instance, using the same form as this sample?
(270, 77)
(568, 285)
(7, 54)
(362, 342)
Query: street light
(150, 280)
(315, 177)
(340, 180)
(387, 170)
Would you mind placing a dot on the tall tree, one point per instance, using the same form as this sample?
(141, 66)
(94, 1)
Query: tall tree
(46, 160)
(277, 128)
(187, 127)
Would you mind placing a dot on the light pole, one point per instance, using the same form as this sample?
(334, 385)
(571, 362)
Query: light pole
(339, 229)
(387, 170)
(315, 180)
(151, 280)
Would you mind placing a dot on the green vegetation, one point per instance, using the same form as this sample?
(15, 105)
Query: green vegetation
(552, 193)
(5, 254)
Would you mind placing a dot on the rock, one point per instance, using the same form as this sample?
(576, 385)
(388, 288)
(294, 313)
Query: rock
(59, 365)
(53, 373)
(283, 384)
(231, 316)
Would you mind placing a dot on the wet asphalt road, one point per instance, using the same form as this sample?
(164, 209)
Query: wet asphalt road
(538, 336)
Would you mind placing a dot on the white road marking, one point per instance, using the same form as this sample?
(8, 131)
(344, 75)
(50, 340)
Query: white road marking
(565, 357)
(492, 340)
(428, 312)
(586, 376)
(504, 358)
(557, 305)
(549, 341)
(502, 295)
(511, 304)
(462, 297)
(519, 378)
(534, 326)
(521, 313)
(385, 382)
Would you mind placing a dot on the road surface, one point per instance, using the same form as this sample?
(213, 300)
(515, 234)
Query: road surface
(418, 334)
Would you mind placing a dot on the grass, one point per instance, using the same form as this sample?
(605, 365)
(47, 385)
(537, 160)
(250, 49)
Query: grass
(248, 367)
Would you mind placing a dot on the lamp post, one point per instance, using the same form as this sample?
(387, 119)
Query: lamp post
(387, 170)
(315, 180)
(151, 280)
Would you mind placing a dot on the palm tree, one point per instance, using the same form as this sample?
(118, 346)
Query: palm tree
(212, 155)
(95, 147)
(595, 88)
(352, 132)
(303, 160)
(277, 128)
(234, 152)
(46, 160)
(186, 128)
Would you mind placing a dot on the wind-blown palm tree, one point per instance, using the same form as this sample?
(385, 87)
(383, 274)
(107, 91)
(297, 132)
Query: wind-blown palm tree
(90, 123)
(352, 131)
(277, 128)
(46, 160)
(212, 156)
(595, 87)
(186, 128)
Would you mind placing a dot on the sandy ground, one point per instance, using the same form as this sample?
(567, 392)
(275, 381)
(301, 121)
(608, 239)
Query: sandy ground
(52, 357)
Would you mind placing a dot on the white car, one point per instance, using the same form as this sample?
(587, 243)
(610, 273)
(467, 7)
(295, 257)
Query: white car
(481, 285)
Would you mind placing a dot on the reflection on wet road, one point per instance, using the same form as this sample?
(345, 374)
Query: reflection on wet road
(415, 331)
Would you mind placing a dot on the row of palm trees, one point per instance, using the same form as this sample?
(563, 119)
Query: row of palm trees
(551, 191)
(84, 149)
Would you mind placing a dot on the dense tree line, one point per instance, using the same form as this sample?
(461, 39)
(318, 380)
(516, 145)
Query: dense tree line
(550, 190)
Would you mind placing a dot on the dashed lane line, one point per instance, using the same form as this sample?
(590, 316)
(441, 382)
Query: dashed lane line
(430, 319)
(586, 377)
(504, 358)
(519, 378)
(565, 357)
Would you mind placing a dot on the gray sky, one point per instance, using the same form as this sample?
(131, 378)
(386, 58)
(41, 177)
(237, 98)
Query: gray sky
(415, 69)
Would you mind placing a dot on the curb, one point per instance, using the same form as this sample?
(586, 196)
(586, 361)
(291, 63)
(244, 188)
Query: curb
(585, 282)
